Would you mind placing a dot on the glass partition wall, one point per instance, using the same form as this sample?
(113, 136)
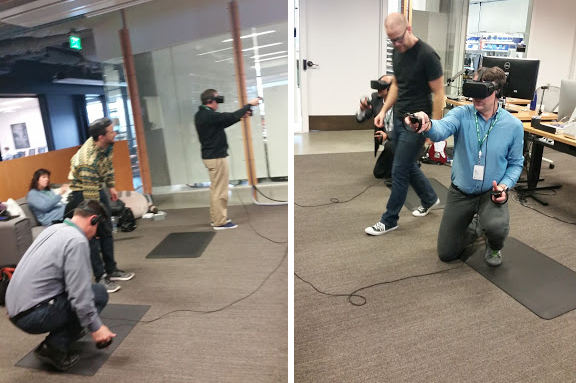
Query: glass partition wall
(170, 82)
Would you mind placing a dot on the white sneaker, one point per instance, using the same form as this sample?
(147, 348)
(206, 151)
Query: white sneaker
(423, 211)
(379, 228)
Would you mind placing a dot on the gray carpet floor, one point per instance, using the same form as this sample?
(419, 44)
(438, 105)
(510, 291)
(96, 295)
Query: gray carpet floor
(453, 326)
(246, 342)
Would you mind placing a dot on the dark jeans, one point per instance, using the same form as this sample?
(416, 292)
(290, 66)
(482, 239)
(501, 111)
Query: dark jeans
(383, 166)
(59, 319)
(405, 171)
(103, 241)
(456, 230)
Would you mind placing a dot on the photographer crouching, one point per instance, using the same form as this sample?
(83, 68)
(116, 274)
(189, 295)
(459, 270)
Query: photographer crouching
(382, 136)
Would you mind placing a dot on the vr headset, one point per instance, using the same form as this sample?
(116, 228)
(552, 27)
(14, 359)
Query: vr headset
(219, 99)
(379, 85)
(479, 89)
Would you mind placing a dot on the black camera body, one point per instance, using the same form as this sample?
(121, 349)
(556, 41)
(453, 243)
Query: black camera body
(379, 85)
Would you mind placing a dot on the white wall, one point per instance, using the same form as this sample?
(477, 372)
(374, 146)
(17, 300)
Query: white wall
(343, 39)
(553, 40)
(508, 16)
(34, 127)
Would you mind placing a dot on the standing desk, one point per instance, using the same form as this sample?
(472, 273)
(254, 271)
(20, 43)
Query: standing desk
(561, 143)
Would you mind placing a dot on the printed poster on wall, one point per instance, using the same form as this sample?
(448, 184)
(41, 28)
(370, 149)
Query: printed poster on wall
(20, 135)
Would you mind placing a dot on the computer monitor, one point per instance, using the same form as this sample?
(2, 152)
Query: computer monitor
(567, 99)
(521, 75)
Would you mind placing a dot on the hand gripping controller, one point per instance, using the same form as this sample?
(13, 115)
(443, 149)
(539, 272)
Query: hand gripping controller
(413, 120)
(104, 344)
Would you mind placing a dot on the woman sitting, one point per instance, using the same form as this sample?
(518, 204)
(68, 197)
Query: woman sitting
(43, 202)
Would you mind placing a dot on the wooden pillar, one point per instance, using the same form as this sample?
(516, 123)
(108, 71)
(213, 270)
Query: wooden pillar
(407, 10)
(241, 82)
(136, 110)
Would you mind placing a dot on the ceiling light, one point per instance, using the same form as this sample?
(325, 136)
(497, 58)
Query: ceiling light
(271, 58)
(267, 54)
(260, 46)
(16, 101)
(250, 35)
(217, 50)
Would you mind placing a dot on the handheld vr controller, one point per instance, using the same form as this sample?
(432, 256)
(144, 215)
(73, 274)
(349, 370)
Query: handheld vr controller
(413, 120)
(101, 345)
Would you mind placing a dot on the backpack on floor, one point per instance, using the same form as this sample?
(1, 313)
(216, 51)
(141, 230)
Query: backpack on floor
(5, 276)
(126, 220)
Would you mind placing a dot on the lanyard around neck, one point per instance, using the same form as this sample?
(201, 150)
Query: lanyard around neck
(481, 141)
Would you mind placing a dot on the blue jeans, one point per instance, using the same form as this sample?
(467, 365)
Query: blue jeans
(59, 319)
(405, 171)
(102, 241)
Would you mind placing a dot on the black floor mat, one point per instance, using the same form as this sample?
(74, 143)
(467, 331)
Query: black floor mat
(182, 245)
(121, 319)
(542, 285)
(413, 201)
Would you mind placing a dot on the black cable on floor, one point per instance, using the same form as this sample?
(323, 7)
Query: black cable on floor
(236, 301)
(354, 294)
(265, 196)
(208, 311)
(336, 200)
(522, 201)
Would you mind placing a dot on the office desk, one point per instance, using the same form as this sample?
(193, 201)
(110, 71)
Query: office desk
(522, 114)
(562, 143)
(517, 101)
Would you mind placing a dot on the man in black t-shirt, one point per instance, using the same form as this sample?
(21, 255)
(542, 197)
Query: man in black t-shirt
(417, 74)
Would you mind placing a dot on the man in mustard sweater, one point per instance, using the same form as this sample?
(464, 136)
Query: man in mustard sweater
(90, 168)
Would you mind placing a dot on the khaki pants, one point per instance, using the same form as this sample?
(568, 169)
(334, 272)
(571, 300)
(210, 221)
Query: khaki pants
(218, 170)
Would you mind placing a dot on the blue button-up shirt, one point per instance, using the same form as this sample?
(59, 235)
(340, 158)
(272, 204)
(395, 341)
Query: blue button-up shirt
(502, 151)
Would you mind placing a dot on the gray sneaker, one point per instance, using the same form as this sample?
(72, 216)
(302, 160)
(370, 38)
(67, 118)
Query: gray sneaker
(493, 257)
(111, 287)
(120, 275)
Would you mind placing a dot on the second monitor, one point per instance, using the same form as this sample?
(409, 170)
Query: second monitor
(521, 75)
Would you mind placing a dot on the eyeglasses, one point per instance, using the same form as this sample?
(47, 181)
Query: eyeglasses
(399, 39)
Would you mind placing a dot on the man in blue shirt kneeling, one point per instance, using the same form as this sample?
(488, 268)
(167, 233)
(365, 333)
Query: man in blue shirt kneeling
(488, 160)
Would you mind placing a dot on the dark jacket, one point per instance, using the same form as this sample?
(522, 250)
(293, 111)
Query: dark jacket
(210, 126)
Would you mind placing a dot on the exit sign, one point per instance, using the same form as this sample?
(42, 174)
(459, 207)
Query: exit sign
(75, 42)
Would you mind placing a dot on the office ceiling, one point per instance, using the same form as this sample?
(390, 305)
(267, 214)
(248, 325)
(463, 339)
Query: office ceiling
(36, 32)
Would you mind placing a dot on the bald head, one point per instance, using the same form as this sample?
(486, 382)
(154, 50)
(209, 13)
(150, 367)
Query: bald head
(395, 21)
(399, 32)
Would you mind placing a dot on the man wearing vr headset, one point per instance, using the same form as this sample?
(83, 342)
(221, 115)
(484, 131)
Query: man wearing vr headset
(370, 108)
(50, 290)
(210, 126)
(417, 75)
(488, 160)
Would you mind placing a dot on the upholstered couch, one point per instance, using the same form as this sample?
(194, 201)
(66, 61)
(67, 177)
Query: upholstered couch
(17, 234)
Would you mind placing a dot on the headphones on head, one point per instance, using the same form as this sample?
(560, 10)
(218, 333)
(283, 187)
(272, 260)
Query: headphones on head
(99, 216)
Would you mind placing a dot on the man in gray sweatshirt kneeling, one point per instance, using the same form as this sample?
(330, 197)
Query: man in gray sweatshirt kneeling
(51, 289)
